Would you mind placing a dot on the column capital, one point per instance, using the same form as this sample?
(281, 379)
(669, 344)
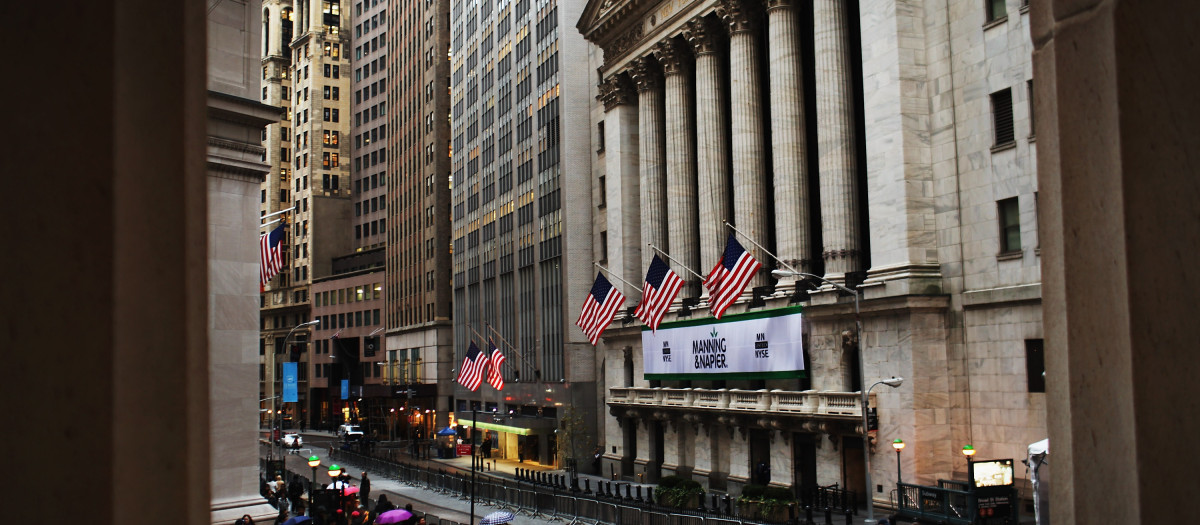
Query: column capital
(701, 33)
(616, 90)
(671, 56)
(736, 15)
(645, 73)
(779, 4)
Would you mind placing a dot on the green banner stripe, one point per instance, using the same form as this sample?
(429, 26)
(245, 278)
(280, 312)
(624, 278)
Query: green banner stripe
(784, 374)
(761, 314)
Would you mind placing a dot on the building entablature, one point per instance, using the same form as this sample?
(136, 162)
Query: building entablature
(825, 412)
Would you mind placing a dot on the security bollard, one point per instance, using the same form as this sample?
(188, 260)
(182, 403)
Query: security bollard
(628, 492)
(639, 493)
(715, 507)
(587, 486)
(650, 495)
(849, 517)
(791, 512)
(828, 515)
(728, 506)
(808, 515)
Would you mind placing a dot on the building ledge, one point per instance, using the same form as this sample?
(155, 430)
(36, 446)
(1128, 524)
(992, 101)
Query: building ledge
(811, 410)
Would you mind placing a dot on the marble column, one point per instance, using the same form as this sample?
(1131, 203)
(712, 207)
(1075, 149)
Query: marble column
(749, 149)
(621, 180)
(835, 139)
(788, 141)
(672, 447)
(739, 455)
(681, 162)
(712, 168)
(316, 19)
(783, 458)
(653, 184)
(702, 458)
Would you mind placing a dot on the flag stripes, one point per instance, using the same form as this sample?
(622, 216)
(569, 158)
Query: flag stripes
(270, 255)
(495, 375)
(599, 308)
(662, 285)
(729, 277)
(470, 374)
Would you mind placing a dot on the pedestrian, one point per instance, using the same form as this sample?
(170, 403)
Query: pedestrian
(295, 492)
(244, 520)
(364, 488)
(383, 505)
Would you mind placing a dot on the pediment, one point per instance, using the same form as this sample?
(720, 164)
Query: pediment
(600, 17)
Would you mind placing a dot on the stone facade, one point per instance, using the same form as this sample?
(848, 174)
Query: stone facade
(901, 161)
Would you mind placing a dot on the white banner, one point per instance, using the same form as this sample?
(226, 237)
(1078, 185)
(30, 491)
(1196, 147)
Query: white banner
(760, 345)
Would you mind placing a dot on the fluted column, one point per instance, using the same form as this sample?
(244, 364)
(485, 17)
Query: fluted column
(653, 184)
(712, 139)
(835, 140)
(749, 166)
(681, 162)
(621, 180)
(788, 142)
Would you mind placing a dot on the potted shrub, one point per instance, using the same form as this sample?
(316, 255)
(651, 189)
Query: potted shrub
(765, 503)
(678, 492)
(750, 500)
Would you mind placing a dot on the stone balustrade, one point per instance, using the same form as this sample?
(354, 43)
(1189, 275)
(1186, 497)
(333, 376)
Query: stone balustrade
(807, 403)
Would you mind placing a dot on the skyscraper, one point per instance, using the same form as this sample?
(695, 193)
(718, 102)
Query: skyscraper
(306, 70)
(519, 93)
(417, 317)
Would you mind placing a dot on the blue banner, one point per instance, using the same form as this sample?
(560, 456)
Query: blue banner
(290, 370)
(345, 389)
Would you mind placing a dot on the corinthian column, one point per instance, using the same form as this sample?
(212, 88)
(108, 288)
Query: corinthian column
(712, 138)
(653, 182)
(788, 143)
(681, 161)
(749, 167)
(835, 140)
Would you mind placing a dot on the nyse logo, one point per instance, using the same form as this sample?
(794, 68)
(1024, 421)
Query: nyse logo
(760, 346)
(666, 352)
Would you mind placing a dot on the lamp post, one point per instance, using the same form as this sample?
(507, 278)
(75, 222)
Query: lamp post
(967, 452)
(278, 417)
(313, 462)
(898, 444)
(893, 382)
(335, 473)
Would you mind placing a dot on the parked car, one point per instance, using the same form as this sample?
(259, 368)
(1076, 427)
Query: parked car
(350, 432)
(292, 440)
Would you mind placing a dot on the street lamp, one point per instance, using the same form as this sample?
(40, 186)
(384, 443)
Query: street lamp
(313, 462)
(278, 416)
(968, 451)
(898, 444)
(893, 382)
(335, 472)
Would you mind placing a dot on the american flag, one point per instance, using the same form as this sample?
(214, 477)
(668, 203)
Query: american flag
(662, 285)
(495, 376)
(729, 277)
(270, 254)
(470, 374)
(599, 308)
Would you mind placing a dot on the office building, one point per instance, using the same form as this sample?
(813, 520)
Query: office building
(521, 236)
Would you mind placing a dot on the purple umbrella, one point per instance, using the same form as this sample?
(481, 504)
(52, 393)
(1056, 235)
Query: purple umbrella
(393, 516)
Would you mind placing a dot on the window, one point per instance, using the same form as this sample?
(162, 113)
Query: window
(1002, 117)
(1010, 226)
(1035, 365)
(996, 10)
(600, 137)
(1029, 94)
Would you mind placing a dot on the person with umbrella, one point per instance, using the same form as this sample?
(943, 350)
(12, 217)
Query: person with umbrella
(497, 518)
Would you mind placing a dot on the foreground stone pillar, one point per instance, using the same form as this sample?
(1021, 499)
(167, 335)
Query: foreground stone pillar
(712, 132)
(653, 164)
(789, 146)
(681, 164)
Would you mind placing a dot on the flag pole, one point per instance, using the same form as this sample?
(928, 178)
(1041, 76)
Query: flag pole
(516, 352)
(614, 276)
(277, 213)
(672, 259)
(265, 224)
(748, 238)
(479, 335)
